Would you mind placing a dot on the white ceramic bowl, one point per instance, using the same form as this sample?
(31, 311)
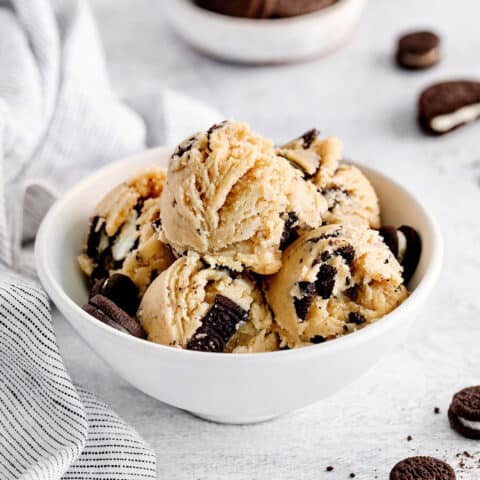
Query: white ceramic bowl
(267, 40)
(231, 388)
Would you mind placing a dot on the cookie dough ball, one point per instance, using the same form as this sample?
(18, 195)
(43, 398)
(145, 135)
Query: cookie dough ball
(198, 307)
(124, 232)
(229, 197)
(334, 280)
(350, 196)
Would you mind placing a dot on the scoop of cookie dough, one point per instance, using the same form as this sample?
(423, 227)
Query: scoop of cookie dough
(123, 234)
(198, 307)
(334, 280)
(350, 196)
(229, 197)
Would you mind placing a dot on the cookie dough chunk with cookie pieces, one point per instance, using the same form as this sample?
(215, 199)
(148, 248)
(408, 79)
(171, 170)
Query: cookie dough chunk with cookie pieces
(334, 280)
(195, 306)
(123, 234)
(228, 197)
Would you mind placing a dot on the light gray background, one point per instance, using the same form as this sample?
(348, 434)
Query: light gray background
(360, 96)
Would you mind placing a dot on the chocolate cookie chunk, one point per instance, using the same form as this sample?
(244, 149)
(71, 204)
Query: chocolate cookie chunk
(422, 468)
(446, 106)
(218, 326)
(105, 310)
(120, 289)
(289, 234)
(464, 412)
(418, 50)
(303, 304)
(325, 280)
(406, 244)
(264, 8)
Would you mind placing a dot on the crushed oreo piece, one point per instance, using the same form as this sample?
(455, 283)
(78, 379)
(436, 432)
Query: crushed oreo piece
(157, 224)
(94, 236)
(390, 237)
(218, 326)
(406, 245)
(325, 281)
(334, 234)
(334, 196)
(356, 318)
(303, 304)
(412, 252)
(214, 127)
(289, 235)
(309, 137)
(347, 252)
(121, 290)
(185, 146)
(104, 308)
(352, 292)
(318, 339)
(326, 255)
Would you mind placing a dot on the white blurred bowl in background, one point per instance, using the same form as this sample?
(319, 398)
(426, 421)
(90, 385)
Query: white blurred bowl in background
(264, 41)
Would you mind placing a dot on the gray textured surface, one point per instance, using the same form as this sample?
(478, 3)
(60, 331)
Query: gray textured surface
(358, 95)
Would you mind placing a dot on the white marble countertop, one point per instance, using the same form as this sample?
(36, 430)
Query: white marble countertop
(358, 95)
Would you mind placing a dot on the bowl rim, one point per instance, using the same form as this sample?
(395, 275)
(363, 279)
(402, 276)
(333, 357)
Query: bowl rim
(60, 297)
(210, 15)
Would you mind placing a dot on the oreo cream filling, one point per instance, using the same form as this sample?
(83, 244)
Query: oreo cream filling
(444, 123)
(469, 423)
(402, 246)
(126, 238)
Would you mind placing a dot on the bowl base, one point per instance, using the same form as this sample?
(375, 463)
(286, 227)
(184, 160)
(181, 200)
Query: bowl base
(234, 420)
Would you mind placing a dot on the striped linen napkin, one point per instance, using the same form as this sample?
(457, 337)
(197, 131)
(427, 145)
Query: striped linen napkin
(59, 120)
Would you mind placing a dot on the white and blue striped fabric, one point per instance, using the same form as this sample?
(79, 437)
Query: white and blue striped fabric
(60, 120)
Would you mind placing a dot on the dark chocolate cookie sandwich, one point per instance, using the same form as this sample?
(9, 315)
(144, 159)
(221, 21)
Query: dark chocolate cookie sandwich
(446, 106)
(108, 312)
(464, 412)
(418, 50)
(422, 468)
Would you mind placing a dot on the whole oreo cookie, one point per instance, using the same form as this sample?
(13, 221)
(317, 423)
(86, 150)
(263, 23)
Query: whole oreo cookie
(446, 106)
(422, 468)
(264, 8)
(464, 412)
(406, 245)
(418, 50)
(105, 310)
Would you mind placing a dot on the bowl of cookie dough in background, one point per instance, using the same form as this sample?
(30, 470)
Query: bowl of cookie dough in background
(265, 40)
(235, 387)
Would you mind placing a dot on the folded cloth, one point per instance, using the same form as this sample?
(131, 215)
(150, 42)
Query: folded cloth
(59, 119)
